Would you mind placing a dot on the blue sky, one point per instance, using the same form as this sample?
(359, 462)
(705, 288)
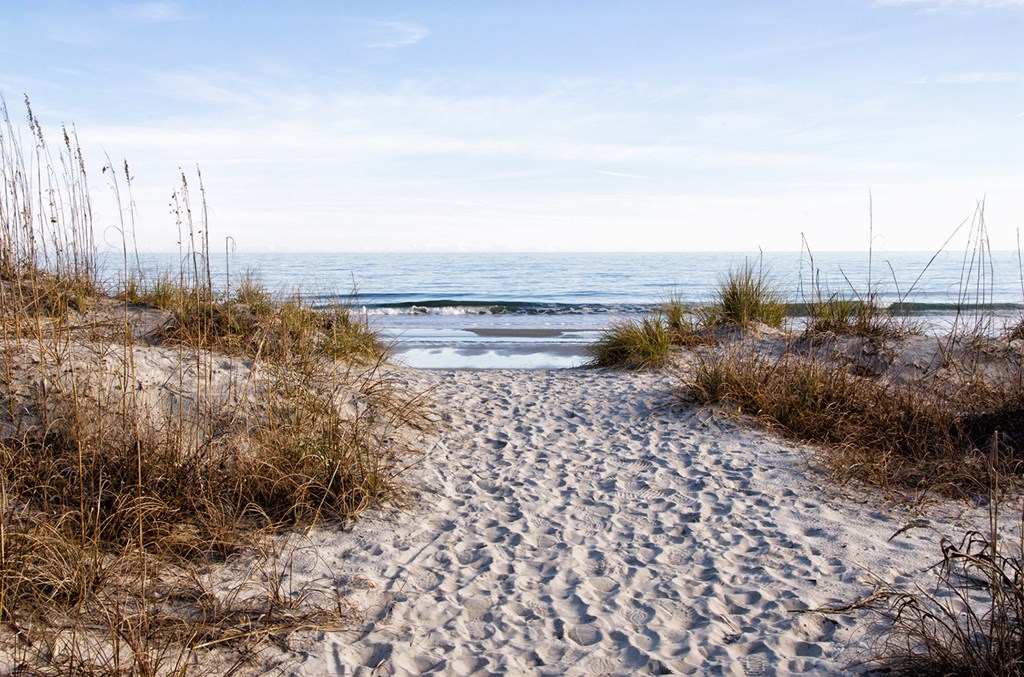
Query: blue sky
(532, 125)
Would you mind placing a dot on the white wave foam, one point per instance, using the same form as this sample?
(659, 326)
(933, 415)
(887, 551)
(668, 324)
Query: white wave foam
(423, 310)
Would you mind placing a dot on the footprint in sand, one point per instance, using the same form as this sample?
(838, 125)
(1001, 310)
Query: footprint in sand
(585, 635)
(637, 616)
(756, 664)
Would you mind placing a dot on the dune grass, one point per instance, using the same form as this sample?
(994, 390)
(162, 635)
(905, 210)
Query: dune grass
(633, 344)
(888, 434)
(747, 296)
(686, 326)
(115, 500)
(839, 314)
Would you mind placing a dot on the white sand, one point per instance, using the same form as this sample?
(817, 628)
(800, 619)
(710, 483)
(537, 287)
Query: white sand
(577, 522)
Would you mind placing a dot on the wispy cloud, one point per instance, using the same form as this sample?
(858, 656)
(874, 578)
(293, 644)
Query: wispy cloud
(148, 12)
(951, 4)
(991, 78)
(394, 34)
(623, 175)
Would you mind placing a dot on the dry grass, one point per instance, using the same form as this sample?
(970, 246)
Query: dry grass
(745, 297)
(971, 622)
(853, 312)
(114, 497)
(872, 423)
(838, 314)
(889, 434)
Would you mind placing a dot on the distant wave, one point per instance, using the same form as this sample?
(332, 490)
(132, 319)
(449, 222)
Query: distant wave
(463, 307)
(915, 308)
(946, 308)
(384, 307)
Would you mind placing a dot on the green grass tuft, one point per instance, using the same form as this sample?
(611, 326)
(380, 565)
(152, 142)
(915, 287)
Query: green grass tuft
(686, 326)
(633, 344)
(746, 297)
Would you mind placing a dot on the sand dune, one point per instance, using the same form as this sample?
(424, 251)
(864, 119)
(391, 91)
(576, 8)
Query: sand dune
(582, 522)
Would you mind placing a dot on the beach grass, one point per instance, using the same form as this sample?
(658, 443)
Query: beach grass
(855, 311)
(888, 434)
(633, 344)
(267, 414)
(686, 326)
(747, 296)
(839, 314)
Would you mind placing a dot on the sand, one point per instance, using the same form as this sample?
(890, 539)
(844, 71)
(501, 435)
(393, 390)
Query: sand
(583, 522)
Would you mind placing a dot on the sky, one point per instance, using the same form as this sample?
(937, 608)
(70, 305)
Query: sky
(535, 125)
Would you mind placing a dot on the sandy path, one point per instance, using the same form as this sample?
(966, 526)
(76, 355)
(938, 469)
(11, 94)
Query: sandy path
(570, 522)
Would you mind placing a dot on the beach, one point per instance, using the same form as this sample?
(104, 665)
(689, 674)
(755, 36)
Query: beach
(313, 502)
(585, 522)
(543, 521)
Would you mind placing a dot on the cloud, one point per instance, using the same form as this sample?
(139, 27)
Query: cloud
(394, 35)
(990, 78)
(623, 175)
(94, 26)
(148, 12)
(276, 149)
(951, 4)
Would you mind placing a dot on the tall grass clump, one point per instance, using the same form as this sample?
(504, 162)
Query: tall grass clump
(747, 296)
(857, 316)
(834, 313)
(128, 470)
(47, 253)
(686, 326)
(252, 322)
(855, 311)
(633, 344)
(159, 290)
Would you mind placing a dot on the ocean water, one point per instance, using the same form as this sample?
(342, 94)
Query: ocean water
(478, 311)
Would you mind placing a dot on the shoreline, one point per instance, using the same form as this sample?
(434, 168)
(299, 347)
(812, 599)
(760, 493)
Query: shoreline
(490, 355)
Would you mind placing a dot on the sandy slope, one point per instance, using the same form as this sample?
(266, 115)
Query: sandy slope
(575, 522)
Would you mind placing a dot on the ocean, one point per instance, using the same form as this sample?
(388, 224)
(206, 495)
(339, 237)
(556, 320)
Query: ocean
(484, 311)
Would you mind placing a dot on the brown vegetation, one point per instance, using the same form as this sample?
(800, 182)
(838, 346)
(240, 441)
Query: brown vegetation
(132, 459)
